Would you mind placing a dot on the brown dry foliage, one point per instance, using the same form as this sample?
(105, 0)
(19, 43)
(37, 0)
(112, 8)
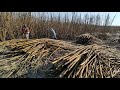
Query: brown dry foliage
(11, 23)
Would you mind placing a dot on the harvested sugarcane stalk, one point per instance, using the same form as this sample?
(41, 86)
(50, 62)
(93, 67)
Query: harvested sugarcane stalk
(92, 62)
(26, 56)
(87, 39)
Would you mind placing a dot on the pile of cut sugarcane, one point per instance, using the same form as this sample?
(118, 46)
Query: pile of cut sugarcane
(92, 61)
(31, 58)
(87, 39)
(27, 56)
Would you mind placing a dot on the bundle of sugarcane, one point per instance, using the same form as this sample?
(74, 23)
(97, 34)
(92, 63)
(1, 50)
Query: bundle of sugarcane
(87, 39)
(27, 56)
(91, 61)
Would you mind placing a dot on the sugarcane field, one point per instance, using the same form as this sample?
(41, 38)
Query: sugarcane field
(50, 45)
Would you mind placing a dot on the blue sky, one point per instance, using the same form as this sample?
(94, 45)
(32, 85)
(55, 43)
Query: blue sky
(112, 14)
